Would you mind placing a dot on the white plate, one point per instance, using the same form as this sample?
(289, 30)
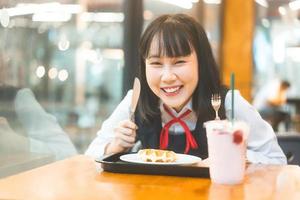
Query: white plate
(182, 159)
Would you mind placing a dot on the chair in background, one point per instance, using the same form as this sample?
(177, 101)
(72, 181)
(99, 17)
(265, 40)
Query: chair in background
(290, 145)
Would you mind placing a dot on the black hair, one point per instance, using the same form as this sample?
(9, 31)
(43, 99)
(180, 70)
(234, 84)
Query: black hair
(178, 35)
(285, 83)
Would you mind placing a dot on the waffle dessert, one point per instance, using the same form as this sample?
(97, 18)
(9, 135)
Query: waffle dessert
(157, 155)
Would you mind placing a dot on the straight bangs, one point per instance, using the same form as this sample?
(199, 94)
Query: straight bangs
(170, 39)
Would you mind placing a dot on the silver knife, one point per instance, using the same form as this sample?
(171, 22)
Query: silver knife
(135, 97)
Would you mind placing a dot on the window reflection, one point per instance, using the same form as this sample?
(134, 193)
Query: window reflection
(27, 128)
(60, 74)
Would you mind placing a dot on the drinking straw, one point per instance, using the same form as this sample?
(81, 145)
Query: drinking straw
(232, 96)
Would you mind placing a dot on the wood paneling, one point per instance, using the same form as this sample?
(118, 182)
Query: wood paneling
(236, 46)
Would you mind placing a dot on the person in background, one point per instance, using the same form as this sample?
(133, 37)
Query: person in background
(26, 127)
(178, 76)
(270, 102)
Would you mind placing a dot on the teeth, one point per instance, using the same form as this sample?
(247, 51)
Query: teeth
(171, 90)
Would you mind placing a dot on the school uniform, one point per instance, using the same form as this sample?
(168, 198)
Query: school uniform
(262, 143)
(150, 134)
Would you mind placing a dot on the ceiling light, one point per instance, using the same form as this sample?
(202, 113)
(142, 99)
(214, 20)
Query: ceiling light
(295, 5)
(102, 17)
(30, 8)
(212, 1)
(4, 17)
(52, 73)
(51, 17)
(263, 3)
(282, 10)
(63, 75)
(40, 71)
(187, 4)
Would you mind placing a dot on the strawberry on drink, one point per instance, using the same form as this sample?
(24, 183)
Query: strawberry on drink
(237, 136)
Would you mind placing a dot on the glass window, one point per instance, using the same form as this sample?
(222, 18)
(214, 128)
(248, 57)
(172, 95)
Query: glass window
(60, 74)
(276, 49)
(62, 67)
(276, 43)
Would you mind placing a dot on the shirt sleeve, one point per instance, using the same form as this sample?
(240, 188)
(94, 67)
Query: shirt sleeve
(106, 133)
(44, 132)
(262, 142)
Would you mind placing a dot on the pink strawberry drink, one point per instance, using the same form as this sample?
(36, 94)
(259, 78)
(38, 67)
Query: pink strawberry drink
(227, 150)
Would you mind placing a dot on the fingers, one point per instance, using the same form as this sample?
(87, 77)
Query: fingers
(124, 144)
(126, 138)
(128, 124)
(125, 134)
(126, 127)
(116, 146)
(125, 131)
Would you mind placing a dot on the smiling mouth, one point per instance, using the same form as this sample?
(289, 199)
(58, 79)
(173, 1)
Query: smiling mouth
(171, 90)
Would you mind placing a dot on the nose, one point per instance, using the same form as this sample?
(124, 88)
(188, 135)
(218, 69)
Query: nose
(168, 74)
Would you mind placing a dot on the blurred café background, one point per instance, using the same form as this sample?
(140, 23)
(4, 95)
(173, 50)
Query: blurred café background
(66, 64)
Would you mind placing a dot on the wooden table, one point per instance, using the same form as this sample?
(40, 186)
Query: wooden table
(81, 178)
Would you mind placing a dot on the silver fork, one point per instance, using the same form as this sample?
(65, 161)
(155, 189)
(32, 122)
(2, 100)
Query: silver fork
(216, 103)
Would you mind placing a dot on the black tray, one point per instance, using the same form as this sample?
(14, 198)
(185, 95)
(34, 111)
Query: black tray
(112, 163)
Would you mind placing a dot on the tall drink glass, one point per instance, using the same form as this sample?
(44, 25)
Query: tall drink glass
(227, 143)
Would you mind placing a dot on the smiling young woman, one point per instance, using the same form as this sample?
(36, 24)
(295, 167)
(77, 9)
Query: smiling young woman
(178, 76)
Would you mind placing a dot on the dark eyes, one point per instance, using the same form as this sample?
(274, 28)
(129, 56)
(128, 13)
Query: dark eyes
(155, 63)
(179, 62)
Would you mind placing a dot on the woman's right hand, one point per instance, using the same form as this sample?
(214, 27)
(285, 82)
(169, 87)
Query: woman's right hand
(125, 134)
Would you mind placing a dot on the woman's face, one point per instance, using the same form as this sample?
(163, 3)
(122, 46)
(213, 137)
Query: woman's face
(174, 79)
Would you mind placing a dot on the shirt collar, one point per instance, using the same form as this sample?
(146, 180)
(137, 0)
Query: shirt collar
(188, 106)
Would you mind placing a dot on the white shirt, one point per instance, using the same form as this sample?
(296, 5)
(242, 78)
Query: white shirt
(44, 133)
(262, 143)
(268, 92)
(190, 120)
